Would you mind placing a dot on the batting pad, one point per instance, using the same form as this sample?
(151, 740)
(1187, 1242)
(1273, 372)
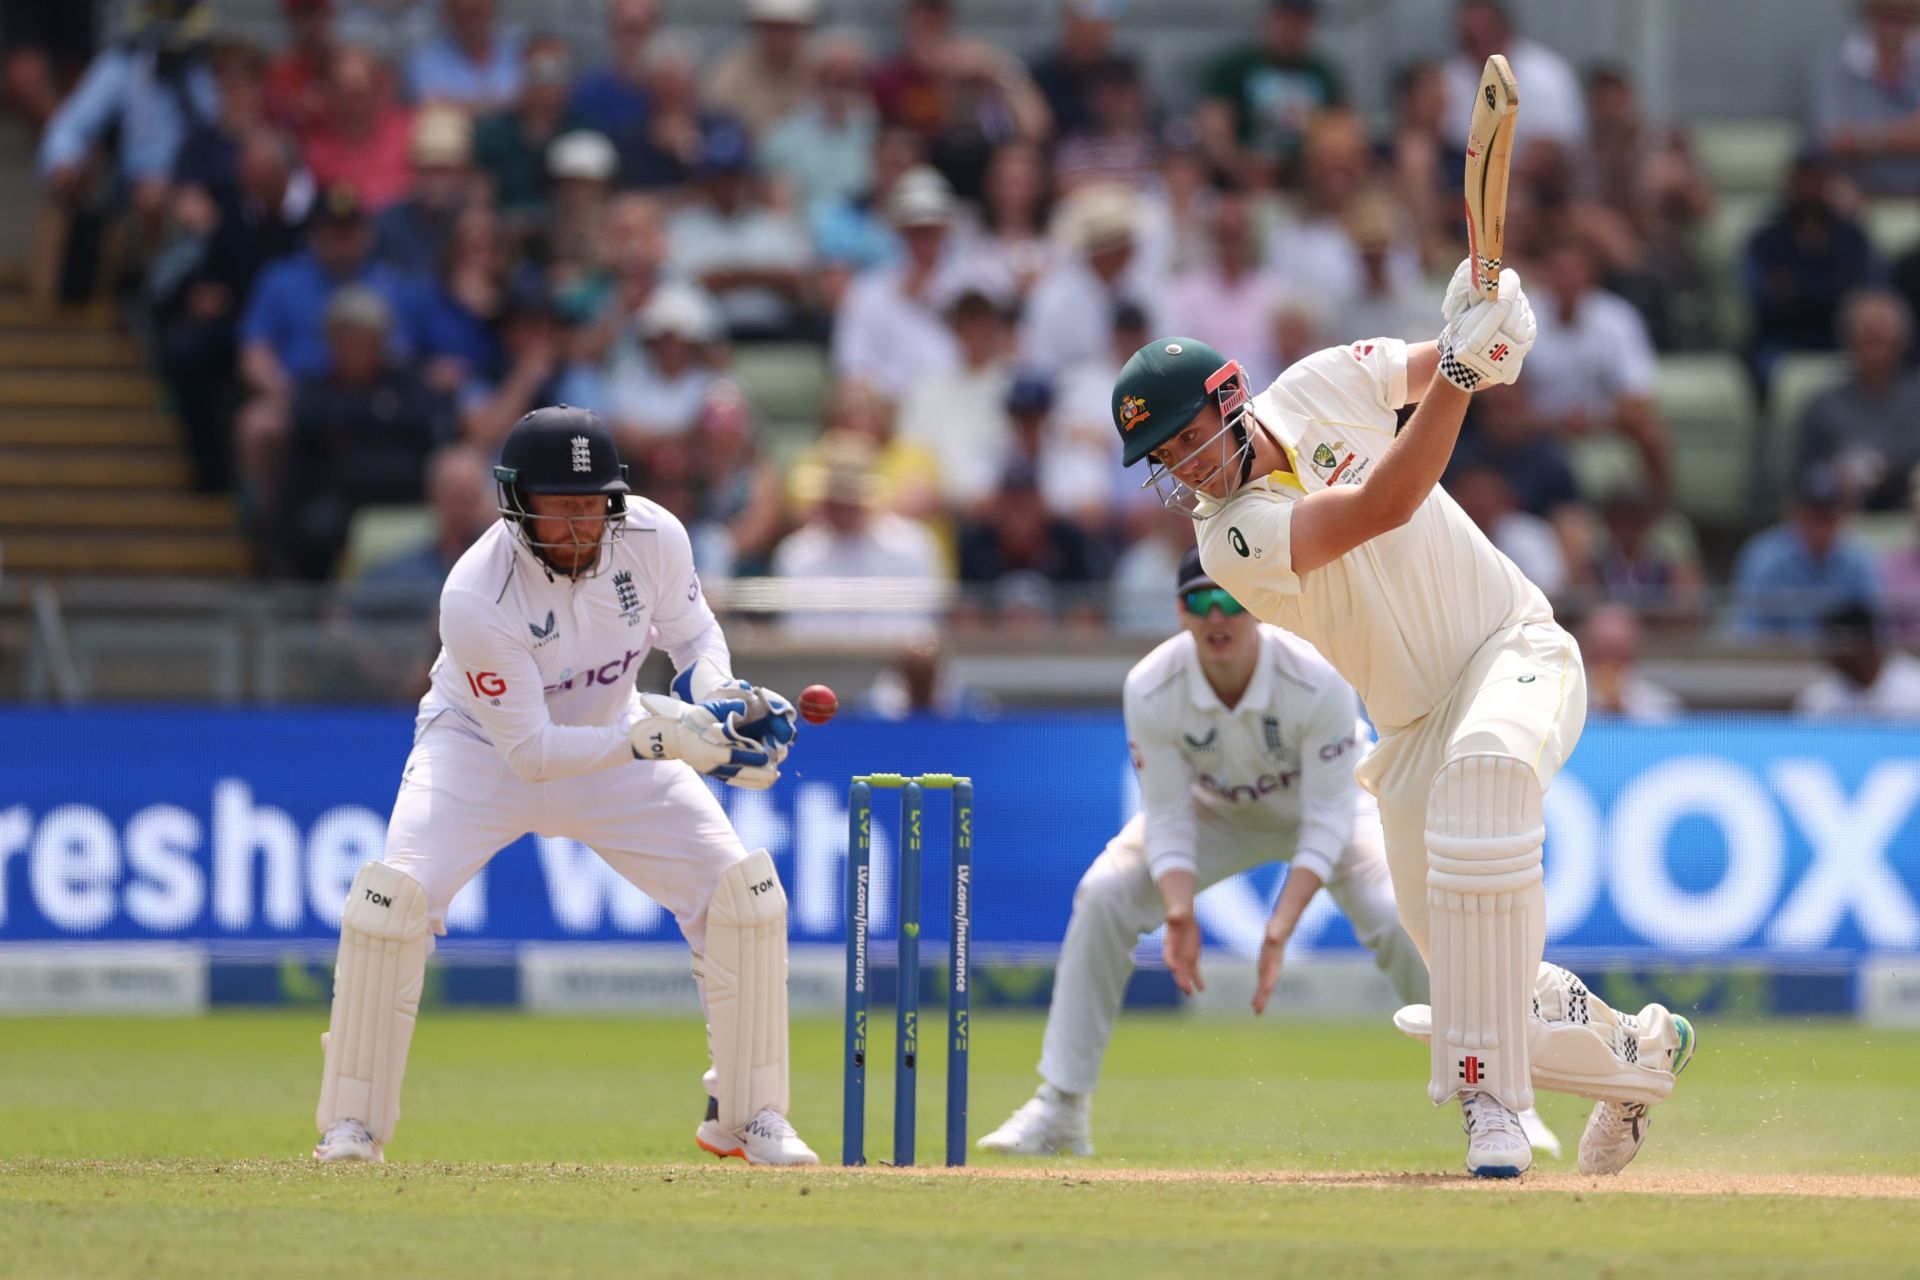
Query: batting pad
(744, 975)
(1582, 1045)
(376, 997)
(1487, 908)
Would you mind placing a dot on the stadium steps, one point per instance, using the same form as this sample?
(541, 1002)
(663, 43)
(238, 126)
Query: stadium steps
(93, 479)
(127, 552)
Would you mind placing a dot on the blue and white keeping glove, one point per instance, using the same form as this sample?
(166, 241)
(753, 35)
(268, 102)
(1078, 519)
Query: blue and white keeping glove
(768, 720)
(700, 733)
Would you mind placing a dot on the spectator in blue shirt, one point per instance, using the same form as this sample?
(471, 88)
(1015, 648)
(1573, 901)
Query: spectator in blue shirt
(1790, 576)
(411, 235)
(150, 91)
(615, 101)
(474, 63)
(1800, 264)
(283, 338)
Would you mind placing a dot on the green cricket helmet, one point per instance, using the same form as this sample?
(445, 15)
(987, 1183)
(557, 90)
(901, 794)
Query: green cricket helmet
(1160, 390)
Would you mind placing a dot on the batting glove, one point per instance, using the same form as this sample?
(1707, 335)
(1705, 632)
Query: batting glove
(1486, 344)
(1460, 293)
(700, 734)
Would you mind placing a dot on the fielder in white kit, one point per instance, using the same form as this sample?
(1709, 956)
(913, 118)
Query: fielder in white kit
(1244, 740)
(1321, 519)
(533, 724)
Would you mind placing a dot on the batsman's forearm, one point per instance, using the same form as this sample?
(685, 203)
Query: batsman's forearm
(1418, 457)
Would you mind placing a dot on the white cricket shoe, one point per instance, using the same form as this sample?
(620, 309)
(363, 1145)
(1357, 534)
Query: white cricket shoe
(348, 1140)
(1497, 1146)
(1050, 1123)
(1539, 1136)
(1616, 1130)
(768, 1138)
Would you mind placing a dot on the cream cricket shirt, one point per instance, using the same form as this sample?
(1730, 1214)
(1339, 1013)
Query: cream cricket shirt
(1399, 616)
(1280, 761)
(543, 666)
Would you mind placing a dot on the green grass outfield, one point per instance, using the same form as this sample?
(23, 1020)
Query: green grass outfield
(537, 1147)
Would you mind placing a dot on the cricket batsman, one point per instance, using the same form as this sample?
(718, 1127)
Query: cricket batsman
(533, 724)
(1245, 742)
(1319, 518)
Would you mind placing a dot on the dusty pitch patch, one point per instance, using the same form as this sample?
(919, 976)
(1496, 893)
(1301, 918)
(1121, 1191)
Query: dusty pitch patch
(1860, 1186)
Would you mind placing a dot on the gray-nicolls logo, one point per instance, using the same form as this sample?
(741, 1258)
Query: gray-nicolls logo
(582, 454)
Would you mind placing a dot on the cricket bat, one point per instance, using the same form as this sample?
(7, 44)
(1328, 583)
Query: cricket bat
(1489, 156)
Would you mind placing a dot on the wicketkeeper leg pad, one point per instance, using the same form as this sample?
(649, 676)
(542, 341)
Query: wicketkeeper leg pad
(744, 975)
(1487, 909)
(1583, 1046)
(384, 941)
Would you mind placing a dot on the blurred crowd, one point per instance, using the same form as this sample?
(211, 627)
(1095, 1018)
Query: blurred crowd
(366, 250)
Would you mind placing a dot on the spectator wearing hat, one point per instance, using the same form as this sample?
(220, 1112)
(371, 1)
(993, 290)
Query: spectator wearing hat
(511, 146)
(362, 431)
(297, 77)
(1864, 108)
(1610, 649)
(658, 373)
(1073, 478)
(1015, 534)
(1260, 95)
(1068, 74)
(534, 367)
(959, 414)
(1556, 109)
(283, 339)
(846, 536)
(363, 139)
(1099, 272)
(582, 170)
(749, 256)
(145, 93)
(1865, 678)
(857, 233)
(1788, 577)
(763, 77)
(614, 100)
(197, 305)
(411, 234)
(891, 330)
(1800, 263)
(205, 172)
(474, 62)
(820, 154)
(1868, 427)
(1116, 143)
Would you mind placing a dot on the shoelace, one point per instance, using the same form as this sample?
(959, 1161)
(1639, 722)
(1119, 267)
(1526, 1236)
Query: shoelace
(1487, 1116)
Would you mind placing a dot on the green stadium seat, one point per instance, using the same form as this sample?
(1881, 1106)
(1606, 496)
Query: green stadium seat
(1745, 155)
(380, 533)
(1707, 404)
(787, 382)
(1893, 225)
(1723, 240)
(1797, 379)
(1882, 531)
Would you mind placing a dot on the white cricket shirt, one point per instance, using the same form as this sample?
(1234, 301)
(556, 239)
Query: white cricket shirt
(1281, 760)
(543, 666)
(1399, 616)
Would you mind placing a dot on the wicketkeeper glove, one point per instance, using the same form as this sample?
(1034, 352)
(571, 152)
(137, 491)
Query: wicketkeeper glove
(1485, 344)
(700, 733)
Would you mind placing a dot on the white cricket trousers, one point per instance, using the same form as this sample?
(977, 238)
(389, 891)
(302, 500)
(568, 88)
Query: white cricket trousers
(655, 823)
(1117, 902)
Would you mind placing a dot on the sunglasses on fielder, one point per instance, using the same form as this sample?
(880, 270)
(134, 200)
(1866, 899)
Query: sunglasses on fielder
(1204, 601)
(1228, 387)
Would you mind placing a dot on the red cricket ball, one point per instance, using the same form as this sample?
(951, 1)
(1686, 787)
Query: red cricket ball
(817, 704)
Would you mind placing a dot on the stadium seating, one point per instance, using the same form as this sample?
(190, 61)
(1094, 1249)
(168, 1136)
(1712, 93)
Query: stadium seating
(1797, 379)
(380, 533)
(1707, 403)
(1745, 156)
